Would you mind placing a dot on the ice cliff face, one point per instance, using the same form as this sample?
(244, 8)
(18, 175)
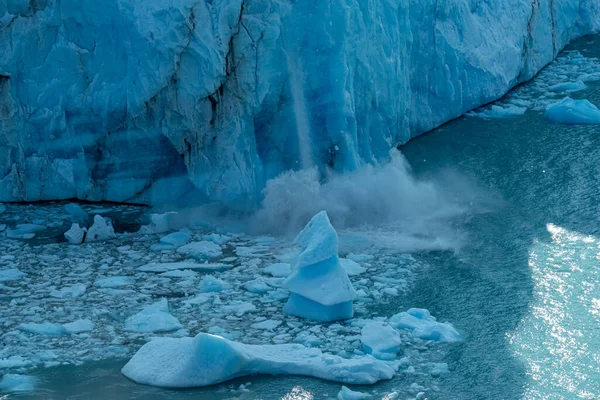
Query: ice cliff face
(161, 100)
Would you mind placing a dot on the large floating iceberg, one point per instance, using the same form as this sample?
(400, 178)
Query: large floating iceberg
(208, 359)
(159, 101)
(570, 111)
(319, 285)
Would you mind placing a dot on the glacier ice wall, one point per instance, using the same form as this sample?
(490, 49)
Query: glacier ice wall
(159, 101)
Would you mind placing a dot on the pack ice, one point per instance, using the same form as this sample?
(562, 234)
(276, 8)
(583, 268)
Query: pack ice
(319, 285)
(209, 359)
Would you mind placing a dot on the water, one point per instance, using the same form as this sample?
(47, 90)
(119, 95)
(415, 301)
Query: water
(524, 290)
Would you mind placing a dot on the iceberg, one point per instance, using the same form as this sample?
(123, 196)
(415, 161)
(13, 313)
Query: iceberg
(167, 102)
(101, 229)
(208, 359)
(570, 111)
(75, 234)
(319, 285)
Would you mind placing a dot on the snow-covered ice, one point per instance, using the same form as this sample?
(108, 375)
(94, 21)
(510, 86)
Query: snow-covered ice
(75, 234)
(571, 111)
(208, 359)
(153, 318)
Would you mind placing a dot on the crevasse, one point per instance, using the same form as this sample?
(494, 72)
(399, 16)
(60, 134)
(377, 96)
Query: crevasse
(159, 101)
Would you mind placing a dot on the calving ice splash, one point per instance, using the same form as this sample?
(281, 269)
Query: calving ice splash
(320, 290)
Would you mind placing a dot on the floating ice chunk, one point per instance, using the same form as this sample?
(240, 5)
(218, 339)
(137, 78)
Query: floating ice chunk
(2, 208)
(347, 394)
(11, 275)
(14, 362)
(239, 309)
(216, 238)
(114, 281)
(77, 213)
(75, 234)
(320, 287)
(268, 325)
(101, 229)
(173, 240)
(351, 267)
(439, 370)
(257, 286)
(201, 250)
(380, 340)
(211, 284)
(568, 87)
(177, 273)
(496, 111)
(569, 111)
(70, 292)
(153, 318)
(202, 298)
(24, 231)
(279, 270)
(79, 326)
(424, 326)
(44, 328)
(16, 383)
(208, 360)
(163, 267)
(159, 223)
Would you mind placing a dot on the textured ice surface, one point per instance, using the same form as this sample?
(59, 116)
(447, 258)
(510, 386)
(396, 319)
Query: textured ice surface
(153, 318)
(240, 314)
(424, 326)
(347, 394)
(208, 359)
(380, 340)
(201, 250)
(570, 111)
(193, 100)
(320, 287)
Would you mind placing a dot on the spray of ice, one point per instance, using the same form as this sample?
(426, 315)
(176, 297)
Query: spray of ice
(385, 203)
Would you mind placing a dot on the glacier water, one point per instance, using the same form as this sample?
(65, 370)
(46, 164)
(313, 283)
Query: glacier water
(522, 288)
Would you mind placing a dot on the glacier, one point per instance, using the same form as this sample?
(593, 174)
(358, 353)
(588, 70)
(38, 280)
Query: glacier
(176, 101)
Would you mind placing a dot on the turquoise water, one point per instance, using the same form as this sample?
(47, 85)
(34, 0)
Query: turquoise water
(524, 290)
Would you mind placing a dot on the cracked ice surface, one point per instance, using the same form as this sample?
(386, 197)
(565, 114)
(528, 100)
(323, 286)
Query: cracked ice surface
(77, 303)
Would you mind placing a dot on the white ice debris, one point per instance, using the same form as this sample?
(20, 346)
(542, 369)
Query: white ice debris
(163, 267)
(173, 241)
(320, 287)
(159, 223)
(201, 250)
(79, 326)
(279, 270)
(570, 111)
(75, 234)
(352, 267)
(114, 282)
(208, 359)
(347, 394)
(380, 340)
(69, 292)
(153, 318)
(101, 229)
(424, 326)
(12, 274)
(211, 284)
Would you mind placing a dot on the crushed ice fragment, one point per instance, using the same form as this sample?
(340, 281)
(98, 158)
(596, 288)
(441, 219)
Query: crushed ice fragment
(424, 326)
(201, 250)
(380, 340)
(153, 318)
(211, 284)
(347, 394)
